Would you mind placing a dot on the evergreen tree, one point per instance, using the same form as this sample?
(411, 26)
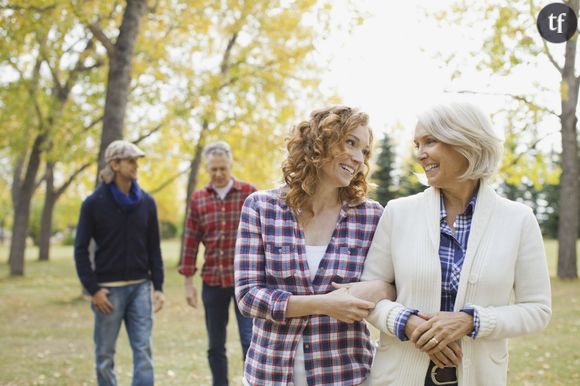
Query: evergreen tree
(383, 175)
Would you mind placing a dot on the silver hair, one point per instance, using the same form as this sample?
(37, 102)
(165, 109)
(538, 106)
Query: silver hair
(217, 148)
(469, 130)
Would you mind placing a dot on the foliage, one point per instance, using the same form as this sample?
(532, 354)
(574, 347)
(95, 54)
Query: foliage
(511, 47)
(240, 70)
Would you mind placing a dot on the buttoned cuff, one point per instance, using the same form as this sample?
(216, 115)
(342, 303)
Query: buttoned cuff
(473, 312)
(401, 322)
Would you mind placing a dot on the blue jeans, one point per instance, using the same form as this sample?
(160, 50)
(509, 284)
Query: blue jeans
(131, 304)
(216, 301)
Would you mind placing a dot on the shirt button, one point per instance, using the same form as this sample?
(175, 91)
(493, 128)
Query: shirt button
(306, 346)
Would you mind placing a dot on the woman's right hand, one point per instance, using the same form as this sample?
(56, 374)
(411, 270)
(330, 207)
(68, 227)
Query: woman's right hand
(450, 356)
(341, 305)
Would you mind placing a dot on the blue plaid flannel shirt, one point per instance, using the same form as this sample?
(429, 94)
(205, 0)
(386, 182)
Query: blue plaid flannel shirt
(452, 248)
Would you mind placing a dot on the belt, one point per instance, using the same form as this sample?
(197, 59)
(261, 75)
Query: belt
(436, 376)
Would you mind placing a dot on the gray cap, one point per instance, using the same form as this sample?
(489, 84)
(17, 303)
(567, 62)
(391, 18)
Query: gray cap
(122, 150)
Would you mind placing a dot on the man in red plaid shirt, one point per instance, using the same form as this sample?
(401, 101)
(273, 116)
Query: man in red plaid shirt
(213, 218)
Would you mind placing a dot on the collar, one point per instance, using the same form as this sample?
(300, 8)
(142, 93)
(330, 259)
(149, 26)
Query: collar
(467, 211)
(237, 185)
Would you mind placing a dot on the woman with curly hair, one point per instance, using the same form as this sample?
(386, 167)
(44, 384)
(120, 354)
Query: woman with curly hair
(294, 243)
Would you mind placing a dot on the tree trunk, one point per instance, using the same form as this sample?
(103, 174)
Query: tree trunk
(569, 197)
(23, 193)
(47, 210)
(191, 183)
(119, 78)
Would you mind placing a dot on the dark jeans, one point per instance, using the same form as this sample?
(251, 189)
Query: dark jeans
(216, 301)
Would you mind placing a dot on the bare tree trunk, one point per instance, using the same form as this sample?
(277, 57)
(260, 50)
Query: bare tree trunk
(191, 183)
(47, 211)
(196, 162)
(569, 193)
(120, 57)
(22, 193)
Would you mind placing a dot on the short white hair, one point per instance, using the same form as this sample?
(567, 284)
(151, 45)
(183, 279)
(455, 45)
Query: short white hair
(218, 148)
(465, 127)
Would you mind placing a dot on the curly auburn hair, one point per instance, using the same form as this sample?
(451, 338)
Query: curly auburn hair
(315, 142)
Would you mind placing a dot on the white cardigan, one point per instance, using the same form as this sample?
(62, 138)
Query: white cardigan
(504, 276)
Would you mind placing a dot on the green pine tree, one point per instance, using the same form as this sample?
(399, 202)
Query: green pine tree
(383, 174)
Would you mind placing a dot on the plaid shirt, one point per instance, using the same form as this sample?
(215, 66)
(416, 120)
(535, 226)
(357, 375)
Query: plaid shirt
(271, 266)
(452, 248)
(214, 222)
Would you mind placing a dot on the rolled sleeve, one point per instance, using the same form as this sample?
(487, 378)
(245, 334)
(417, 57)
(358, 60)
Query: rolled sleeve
(401, 322)
(253, 296)
(473, 312)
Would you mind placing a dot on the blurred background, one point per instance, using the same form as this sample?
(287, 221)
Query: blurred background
(173, 75)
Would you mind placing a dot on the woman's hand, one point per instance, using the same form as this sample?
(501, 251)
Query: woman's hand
(440, 330)
(341, 305)
(448, 356)
(371, 291)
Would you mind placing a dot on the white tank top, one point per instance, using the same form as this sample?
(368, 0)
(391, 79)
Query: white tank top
(314, 254)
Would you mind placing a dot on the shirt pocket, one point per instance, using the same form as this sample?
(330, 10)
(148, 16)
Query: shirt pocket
(348, 264)
(281, 261)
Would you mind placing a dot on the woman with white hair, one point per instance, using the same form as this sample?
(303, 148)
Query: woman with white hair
(469, 266)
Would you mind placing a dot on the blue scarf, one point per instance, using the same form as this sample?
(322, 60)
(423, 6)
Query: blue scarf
(127, 201)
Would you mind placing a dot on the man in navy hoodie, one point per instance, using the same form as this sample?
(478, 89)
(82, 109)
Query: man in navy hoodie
(122, 220)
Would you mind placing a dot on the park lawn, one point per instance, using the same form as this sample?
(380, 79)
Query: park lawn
(46, 331)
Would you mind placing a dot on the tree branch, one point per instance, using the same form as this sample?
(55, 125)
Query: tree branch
(224, 66)
(532, 146)
(58, 192)
(550, 57)
(93, 123)
(519, 98)
(101, 37)
(53, 73)
(147, 134)
(29, 8)
(80, 67)
(168, 182)
(39, 181)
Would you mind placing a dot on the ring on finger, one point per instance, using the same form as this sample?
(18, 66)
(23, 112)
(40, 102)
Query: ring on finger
(434, 340)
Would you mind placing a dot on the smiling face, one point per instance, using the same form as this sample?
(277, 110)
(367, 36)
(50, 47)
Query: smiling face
(442, 163)
(341, 169)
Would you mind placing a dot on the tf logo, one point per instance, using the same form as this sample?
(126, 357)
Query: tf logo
(557, 22)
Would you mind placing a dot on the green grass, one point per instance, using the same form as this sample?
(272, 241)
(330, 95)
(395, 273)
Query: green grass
(46, 331)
